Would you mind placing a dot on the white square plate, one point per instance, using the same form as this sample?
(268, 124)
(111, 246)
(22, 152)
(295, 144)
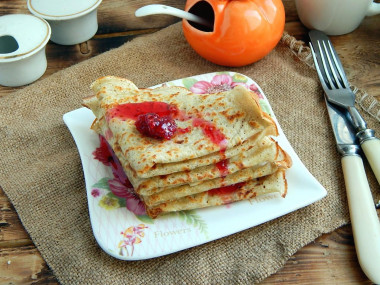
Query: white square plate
(127, 236)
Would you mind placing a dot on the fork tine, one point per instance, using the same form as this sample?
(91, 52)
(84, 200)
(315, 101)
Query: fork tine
(333, 67)
(338, 67)
(331, 70)
(324, 57)
(317, 67)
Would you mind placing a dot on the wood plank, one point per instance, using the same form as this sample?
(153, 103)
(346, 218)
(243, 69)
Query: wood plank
(24, 265)
(20, 261)
(324, 261)
(12, 232)
(119, 16)
(13, 7)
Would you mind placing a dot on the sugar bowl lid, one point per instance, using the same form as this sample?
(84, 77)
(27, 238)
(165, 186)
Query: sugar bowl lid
(21, 36)
(62, 9)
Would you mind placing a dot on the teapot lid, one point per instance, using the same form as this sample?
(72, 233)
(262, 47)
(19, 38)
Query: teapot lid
(22, 35)
(62, 9)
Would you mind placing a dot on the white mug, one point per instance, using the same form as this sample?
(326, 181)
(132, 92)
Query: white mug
(335, 17)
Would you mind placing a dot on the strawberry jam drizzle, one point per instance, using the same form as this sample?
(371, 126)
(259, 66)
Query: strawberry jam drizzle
(225, 190)
(105, 154)
(222, 167)
(210, 130)
(183, 130)
(133, 110)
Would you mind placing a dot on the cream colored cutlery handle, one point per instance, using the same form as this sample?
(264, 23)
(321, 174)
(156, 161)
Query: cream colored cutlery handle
(364, 220)
(371, 150)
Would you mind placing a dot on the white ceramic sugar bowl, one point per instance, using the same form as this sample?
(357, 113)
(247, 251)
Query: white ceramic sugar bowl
(72, 21)
(23, 39)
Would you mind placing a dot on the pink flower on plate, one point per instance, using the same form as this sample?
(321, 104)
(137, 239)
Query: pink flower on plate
(253, 87)
(120, 186)
(219, 83)
(95, 192)
(102, 153)
(132, 201)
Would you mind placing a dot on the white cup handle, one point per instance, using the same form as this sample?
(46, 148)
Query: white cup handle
(374, 9)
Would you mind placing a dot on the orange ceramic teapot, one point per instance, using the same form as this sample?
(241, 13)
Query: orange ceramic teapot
(243, 31)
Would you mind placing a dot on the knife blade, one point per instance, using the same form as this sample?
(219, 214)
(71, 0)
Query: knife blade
(340, 93)
(344, 133)
(364, 220)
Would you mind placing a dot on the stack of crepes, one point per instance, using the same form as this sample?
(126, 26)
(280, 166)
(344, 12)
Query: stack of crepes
(221, 152)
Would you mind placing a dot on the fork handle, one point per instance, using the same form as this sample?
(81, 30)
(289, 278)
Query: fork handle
(371, 150)
(364, 220)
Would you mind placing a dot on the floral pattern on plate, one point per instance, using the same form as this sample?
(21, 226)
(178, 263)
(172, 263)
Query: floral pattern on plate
(118, 220)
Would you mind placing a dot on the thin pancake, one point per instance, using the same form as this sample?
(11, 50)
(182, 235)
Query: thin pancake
(187, 165)
(244, 175)
(227, 129)
(274, 183)
(236, 114)
(261, 152)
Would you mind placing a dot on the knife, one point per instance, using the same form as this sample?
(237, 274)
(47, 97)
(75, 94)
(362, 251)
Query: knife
(364, 219)
(366, 137)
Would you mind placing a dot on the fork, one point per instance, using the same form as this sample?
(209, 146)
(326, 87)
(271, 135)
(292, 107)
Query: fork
(339, 93)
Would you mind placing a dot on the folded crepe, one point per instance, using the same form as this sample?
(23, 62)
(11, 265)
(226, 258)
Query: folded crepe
(236, 114)
(222, 140)
(246, 174)
(253, 151)
(274, 183)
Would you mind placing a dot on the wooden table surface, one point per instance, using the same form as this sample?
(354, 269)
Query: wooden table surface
(330, 259)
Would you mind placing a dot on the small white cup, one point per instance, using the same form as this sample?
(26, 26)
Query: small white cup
(335, 17)
(23, 39)
(72, 21)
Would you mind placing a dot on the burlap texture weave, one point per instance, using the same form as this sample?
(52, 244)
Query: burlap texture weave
(41, 172)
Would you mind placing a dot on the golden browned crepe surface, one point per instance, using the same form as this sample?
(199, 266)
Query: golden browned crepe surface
(221, 151)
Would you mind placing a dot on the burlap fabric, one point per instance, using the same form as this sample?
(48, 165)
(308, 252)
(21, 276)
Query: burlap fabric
(41, 172)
